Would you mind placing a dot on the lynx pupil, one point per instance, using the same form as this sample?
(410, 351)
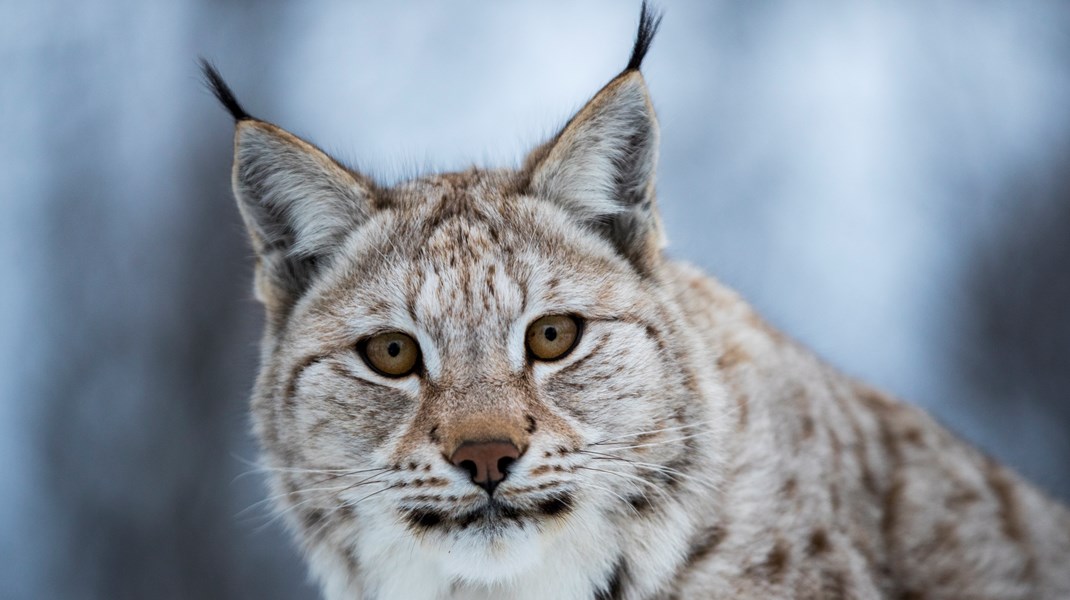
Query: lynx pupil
(395, 348)
(550, 333)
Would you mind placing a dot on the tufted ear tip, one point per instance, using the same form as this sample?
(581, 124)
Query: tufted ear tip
(649, 22)
(219, 88)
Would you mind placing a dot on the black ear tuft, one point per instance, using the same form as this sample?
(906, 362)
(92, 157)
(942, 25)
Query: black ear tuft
(649, 21)
(214, 82)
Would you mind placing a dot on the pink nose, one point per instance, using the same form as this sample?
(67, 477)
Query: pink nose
(487, 462)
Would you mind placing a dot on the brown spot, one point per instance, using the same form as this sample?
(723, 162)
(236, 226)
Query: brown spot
(807, 427)
(703, 544)
(1009, 512)
(893, 497)
(876, 401)
(777, 560)
(1003, 489)
(913, 435)
(773, 565)
(888, 440)
(732, 356)
(868, 480)
(790, 487)
(819, 542)
(962, 497)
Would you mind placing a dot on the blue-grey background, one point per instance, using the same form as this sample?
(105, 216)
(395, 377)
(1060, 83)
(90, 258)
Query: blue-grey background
(889, 182)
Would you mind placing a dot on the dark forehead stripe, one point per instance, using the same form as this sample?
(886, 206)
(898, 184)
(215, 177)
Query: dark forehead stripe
(467, 259)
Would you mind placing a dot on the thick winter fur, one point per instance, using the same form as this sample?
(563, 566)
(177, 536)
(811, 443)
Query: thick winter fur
(683, 449)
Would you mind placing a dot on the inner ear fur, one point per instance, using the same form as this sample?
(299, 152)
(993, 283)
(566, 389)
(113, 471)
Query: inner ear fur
(601, 168)
(298, 205)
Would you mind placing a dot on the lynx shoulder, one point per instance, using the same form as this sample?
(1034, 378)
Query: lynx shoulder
(493, 384)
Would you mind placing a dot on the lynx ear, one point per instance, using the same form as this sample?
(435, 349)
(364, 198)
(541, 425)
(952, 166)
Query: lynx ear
(601, 166)
(297, 202)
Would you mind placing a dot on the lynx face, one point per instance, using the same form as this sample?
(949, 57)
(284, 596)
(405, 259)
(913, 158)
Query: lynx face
(465, 267)
(466, 369)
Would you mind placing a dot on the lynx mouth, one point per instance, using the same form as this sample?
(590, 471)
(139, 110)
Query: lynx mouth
(493, 516)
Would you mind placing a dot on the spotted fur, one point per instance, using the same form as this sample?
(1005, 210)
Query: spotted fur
(683, 449)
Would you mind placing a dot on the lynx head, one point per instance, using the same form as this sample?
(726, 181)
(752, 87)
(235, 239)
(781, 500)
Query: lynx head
(470, 365)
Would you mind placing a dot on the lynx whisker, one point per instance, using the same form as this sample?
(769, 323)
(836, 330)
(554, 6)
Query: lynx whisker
(654, 431)
(706, 482)
(615, 446)
(354, 503)
(623, 500)
(302, 491)
(630, 477)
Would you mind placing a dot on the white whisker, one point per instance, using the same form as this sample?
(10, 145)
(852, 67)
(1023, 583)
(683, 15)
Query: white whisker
(653, 431)
(614, 446)
(708, 483)
(607, 490)
(631, 477)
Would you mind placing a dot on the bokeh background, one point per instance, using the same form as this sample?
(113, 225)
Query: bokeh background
(888, 181)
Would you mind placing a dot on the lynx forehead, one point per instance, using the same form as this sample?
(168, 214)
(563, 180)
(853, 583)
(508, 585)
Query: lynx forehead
(493, 384)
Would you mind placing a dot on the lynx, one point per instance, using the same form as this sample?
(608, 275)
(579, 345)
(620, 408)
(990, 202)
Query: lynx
(494, 384)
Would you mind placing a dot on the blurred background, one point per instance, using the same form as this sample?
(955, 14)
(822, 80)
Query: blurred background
(889, 182)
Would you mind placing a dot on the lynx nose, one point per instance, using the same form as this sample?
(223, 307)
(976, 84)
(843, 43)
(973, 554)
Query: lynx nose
(487, 462)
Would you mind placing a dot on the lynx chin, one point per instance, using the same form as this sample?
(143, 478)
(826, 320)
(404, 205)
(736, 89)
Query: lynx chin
(494, 384)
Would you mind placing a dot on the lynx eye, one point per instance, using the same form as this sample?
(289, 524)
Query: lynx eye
(392, 354)
(553, 336)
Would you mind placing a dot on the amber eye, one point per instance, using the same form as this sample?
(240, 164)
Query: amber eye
(393, 354)
(552, 336)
